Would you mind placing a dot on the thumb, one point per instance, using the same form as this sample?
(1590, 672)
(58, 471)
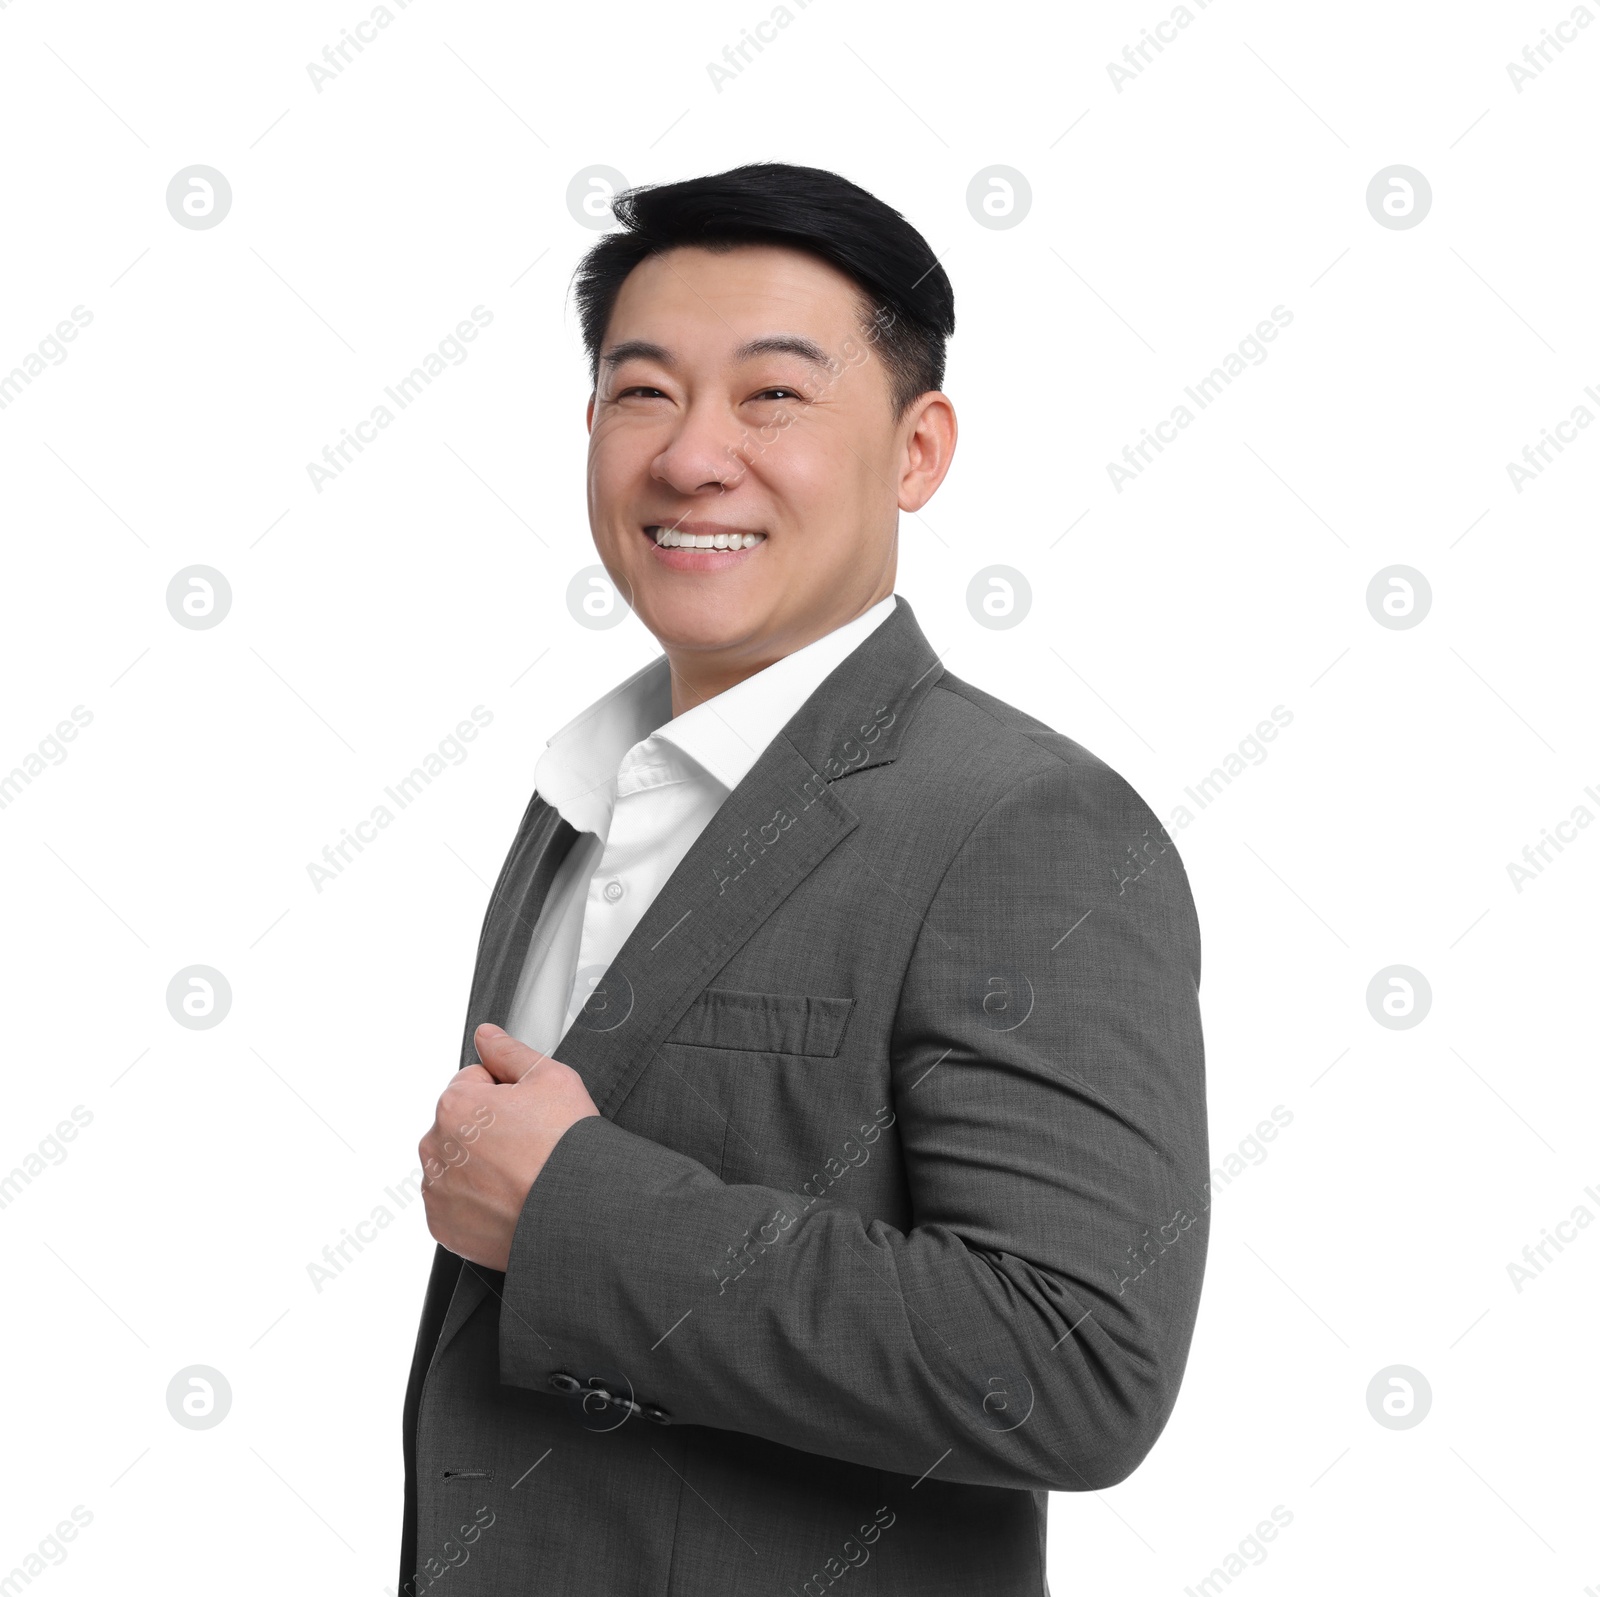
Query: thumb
(503, 1056)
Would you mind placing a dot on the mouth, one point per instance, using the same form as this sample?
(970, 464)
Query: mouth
(701, 545)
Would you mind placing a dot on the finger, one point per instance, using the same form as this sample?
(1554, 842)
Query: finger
(472, 1073)
(506, 1059)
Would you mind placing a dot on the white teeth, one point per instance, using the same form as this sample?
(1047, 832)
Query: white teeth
(670, 538)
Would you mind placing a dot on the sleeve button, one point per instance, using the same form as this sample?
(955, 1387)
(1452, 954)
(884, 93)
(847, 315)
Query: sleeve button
(563, 1382)
(654, 1412)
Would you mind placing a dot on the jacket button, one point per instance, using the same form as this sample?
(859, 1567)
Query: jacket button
(653, 1412)
(563, 1382)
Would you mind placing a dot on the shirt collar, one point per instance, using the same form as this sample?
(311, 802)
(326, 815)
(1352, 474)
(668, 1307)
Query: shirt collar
(723, 735)
(726, 734)
(577, 772)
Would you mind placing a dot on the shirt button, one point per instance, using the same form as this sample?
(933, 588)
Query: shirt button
(613, 891)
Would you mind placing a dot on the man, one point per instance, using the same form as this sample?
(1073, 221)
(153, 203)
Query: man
(832, 1186)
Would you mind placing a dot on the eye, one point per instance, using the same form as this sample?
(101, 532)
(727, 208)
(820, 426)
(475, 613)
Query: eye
(640, 389)
(791, 393)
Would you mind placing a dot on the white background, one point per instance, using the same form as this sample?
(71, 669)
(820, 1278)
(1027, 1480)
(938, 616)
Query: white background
(1167, 218)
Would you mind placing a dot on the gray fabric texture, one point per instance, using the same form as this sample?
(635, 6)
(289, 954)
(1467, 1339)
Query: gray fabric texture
(894, 1218)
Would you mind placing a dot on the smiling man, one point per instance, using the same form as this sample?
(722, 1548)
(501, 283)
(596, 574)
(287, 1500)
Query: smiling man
(825, 1179)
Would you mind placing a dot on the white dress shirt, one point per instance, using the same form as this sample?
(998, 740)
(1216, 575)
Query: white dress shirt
(640, 785)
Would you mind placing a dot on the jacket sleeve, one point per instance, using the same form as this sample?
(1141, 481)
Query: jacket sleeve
(1031, 1327)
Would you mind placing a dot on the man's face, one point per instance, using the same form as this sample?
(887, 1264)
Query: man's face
(746, 400)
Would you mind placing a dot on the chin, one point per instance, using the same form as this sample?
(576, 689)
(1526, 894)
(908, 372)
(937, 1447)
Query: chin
(701, 617)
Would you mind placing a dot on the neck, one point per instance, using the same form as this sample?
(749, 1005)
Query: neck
(701, 674)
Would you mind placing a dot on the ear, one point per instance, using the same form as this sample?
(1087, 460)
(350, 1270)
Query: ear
(930, 446)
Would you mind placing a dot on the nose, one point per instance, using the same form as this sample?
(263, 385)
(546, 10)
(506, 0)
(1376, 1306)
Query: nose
(708, 450)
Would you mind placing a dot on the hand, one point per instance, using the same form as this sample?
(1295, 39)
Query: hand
(492, 1133)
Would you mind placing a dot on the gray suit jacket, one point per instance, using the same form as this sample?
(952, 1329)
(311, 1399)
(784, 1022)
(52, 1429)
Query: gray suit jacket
(894, 1216)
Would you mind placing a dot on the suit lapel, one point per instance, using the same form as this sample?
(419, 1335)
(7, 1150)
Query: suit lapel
(536, 853)
(542, 841)
(782, 820)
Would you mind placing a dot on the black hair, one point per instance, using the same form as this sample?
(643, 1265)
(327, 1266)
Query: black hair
(907, 305)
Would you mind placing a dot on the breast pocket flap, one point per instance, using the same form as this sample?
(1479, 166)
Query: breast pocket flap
(767, 1023)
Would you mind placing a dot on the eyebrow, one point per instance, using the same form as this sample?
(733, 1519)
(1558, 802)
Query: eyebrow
(772, 344)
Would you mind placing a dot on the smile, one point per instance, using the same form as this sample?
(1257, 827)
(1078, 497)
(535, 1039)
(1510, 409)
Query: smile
(678, 538)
